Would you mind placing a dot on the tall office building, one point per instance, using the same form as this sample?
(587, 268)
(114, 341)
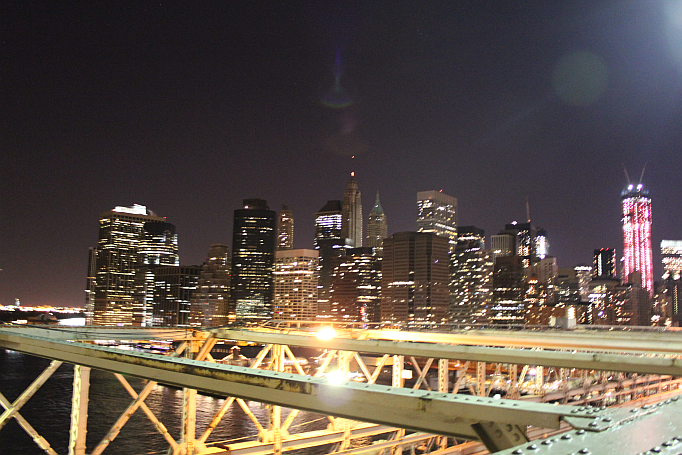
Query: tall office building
(295, 283)
(377, 227)
(330, 244)
(671, 250)
(604, 264)
(508, 291)
(355, 290)
(253, 255)
(525, 239)
(637, 253)
(503, 245)
(210, 302)
(471, 278)
(672, 280)
(351, 227)
(129, 237)
(173, 289)
(437, 213)
(415, 278)
(541, 244)
(285, 229)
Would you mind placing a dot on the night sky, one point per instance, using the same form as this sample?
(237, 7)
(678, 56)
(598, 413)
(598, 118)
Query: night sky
(190, 107)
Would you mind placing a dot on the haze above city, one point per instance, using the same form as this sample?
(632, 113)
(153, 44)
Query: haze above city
(189, 108)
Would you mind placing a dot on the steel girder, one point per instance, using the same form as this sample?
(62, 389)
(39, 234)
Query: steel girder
(438, 413)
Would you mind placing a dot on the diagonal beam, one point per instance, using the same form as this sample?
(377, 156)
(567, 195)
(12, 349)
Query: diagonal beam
(28, 393)
(160, 427)
(39, 440)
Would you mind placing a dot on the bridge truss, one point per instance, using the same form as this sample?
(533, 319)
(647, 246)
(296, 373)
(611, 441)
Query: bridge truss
(505, 391)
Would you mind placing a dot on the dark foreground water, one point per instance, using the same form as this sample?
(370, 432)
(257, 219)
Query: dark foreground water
(48, 411)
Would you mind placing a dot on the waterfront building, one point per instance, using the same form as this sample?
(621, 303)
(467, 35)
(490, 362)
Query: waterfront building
(604, 264)
(210, 302)
(285, 229)
(351, 227)
(355, 290)
(377, 227)
(173, 289)
(637, 252)
(415, 278)
(471, 278)
(295, 284)
(129, 238)
(253, 255)
(437, 213)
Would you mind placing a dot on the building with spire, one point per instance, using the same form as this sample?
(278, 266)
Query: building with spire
(351, 227)
(377, 227)
(637, 250)
(253, 255)
(285, 229)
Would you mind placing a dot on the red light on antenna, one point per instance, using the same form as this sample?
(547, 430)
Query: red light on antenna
(352, 174)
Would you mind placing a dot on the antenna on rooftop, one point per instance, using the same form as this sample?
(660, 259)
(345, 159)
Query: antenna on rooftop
(527, 210)
(627, 176)
(642, 175)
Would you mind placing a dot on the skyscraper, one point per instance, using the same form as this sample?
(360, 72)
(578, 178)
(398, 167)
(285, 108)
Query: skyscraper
(637, 253)
(377, 227)
(129, 237)
(672, 259)
(330, 244)
(355, 289)
(604, 264)
(210, 301)
(414, 284)
(173, 288)
(437, 213)
(285, 229)
(351, 227)
(295, 282)
(253, 254)
(471, 277)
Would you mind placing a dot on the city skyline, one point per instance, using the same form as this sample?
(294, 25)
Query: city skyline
(189, 109)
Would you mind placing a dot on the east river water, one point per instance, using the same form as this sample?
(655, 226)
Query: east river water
(48, 411)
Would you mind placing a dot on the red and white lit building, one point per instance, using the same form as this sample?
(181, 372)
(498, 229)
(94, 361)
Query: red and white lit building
(637, 253)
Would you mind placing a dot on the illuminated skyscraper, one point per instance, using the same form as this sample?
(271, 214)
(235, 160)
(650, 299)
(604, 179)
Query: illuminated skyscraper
(437, 213)
(129, 238)
(285, 229)
(471, 278)
(355, 289)
(295, 283)
(173, 288)
(637, 253)
(414, 284)
(377, 228)
(604, 264)
(210, 302)
(253, 254)
(672, 259)
(330, 244)
(351, 227)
